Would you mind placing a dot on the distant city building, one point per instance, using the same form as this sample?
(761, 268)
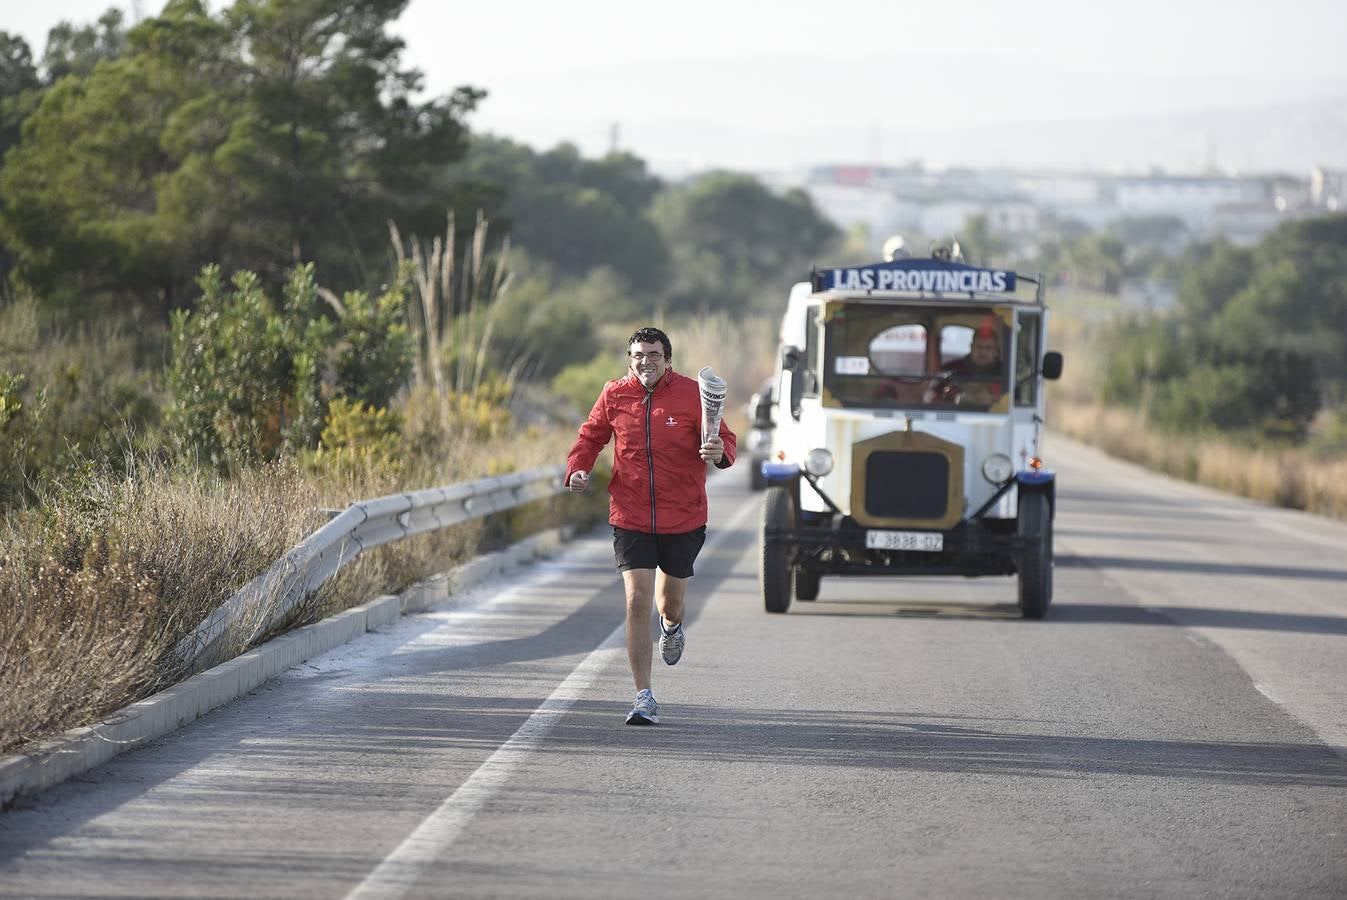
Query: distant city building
(1019, 205)
(1328, 189)
(881, 211)
(1194, 199)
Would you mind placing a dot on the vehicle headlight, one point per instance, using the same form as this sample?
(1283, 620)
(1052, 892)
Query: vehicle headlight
(819, 462)
(997, 468)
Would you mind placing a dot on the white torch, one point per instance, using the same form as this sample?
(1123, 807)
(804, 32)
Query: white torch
(713, 401)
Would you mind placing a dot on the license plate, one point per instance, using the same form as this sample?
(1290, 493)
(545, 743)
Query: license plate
(927, 541)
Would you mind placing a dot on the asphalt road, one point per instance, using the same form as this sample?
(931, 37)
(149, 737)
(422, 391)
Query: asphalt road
(1175, 728)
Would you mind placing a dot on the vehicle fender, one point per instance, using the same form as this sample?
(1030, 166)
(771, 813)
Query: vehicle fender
(781, 473)
(1039, 481)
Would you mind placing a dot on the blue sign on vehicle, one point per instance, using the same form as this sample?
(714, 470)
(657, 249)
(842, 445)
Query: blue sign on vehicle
(916, 275)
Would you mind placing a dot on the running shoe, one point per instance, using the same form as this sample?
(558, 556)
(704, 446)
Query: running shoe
(671, 643)
(645, 709)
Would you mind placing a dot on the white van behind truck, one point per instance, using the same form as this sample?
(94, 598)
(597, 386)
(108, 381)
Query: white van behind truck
(909, 410)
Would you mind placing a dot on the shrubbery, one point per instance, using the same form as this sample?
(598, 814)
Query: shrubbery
(581, 383)
(69, 397)
(1256, 346)
(247, 377)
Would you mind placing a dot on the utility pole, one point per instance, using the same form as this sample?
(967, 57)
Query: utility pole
(614, 136)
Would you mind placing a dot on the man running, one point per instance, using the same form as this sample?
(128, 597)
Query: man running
(657, 504)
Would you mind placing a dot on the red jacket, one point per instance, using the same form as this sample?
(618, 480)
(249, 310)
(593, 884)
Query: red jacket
(657, 440)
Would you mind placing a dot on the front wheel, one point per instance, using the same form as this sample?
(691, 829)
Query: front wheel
(1035, 562)
(778, 515)
(806, 584)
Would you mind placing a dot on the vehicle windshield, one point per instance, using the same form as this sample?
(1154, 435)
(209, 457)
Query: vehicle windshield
(916, 357)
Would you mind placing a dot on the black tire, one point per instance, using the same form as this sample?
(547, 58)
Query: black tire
(1035, 562)
(775, 570)
(806, 584)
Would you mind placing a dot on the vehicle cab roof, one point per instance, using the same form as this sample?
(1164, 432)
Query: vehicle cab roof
(925, 280)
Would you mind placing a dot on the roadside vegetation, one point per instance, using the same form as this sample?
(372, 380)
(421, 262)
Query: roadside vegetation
(248, 280)
(1236, 380)
(111, 550)
(1293, 477)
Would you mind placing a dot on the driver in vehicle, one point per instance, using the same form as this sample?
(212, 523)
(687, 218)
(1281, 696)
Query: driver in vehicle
(976, 378)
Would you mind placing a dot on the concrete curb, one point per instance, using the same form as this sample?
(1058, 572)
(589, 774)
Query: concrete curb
(81, 749)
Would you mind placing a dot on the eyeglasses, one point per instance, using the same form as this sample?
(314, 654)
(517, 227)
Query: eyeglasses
(653, 356)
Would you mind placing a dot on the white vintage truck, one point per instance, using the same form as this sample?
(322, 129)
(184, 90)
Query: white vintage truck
(909, 410)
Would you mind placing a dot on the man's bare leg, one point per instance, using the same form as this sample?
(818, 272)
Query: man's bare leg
(640, 587)
(643, 586)
(669, 593)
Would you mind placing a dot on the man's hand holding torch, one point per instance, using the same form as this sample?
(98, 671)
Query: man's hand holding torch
(713, 450)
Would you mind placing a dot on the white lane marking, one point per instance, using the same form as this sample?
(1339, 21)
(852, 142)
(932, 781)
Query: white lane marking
(401, 869)
(1298, 533)
(1263, 689)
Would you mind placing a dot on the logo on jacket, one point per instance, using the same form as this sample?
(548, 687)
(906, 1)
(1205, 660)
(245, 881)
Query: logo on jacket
(671, 421)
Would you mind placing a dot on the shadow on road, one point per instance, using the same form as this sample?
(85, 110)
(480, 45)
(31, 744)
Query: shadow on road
(1086, 495)
(1150, 514)
(1075, 531)
(1063, 612)
(909, 609)
(1200, 568)
(897, 741)
(1195, 617)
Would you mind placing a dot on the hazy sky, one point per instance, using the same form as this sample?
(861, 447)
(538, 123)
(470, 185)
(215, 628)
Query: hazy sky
(782, 84)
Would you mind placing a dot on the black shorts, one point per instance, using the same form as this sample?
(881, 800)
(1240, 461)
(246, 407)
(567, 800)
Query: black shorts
(674, 553)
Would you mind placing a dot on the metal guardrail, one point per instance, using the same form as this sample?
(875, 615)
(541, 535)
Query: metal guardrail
(266, 600)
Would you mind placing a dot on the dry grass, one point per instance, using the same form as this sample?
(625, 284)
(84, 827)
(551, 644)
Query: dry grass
(79, 387)
(741, 351)
(98, 586)
(66, 359)
(1290, 478)
(94, 592)
(101, 580)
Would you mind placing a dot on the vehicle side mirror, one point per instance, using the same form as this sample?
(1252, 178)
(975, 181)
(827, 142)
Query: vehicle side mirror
(762, 411)
(1052, 365)
(792, 361)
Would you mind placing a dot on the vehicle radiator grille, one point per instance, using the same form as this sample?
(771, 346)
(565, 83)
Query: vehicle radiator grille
(906, 485)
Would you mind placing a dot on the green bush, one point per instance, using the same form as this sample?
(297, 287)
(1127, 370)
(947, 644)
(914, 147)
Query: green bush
(1194, 383)
(14, 439)
(580, 384)
(248, 380)
(374, 351)
(358, 438)
(1271, 396)
(69, 395)
(245, 376)
(1140, 354)
(554, 322)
